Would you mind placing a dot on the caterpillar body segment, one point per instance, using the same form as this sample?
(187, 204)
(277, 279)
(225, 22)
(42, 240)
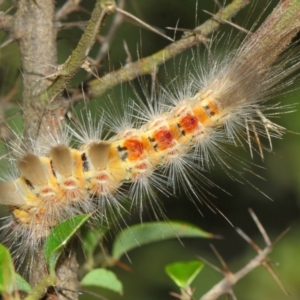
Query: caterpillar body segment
(71, 181)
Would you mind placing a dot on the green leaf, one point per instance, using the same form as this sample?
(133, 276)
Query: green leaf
(7, 272)
(59, 237)
(90, 241)
(183, 273)
(104, 279)
(142, 234)
(9, 280)
(22, 284)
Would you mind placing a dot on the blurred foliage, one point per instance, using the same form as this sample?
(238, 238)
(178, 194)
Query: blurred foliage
(280, 169)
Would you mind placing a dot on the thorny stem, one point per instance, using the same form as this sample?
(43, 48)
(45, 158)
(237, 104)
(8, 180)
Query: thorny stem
(278, 27)
(117, 21)
(146, 65)
(225, 285)
(80, 53)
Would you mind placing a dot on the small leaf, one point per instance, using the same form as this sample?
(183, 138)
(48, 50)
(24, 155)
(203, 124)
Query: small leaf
(22, 284)
(104, 279)
(9, 280)
(90, 241)
(7, 272)
(142, 234)
(59, 237)
(183, 273)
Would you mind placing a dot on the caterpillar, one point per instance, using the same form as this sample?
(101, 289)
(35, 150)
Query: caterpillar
(226, 103)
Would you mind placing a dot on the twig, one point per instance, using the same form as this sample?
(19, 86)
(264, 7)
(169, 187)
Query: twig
(144, 24)
(67, 8)
(230, 279)
(146, 65)
(7, 42)
(279, 26)
(228, 22)
(41, 288)
(117, 21)
(6, 22)
(80, 53)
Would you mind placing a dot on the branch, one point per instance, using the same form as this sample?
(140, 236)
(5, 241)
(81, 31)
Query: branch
(78, 56)
(6, 22)
(67, 8)
(38, 51)
(116, 22)
(146, 65)
(225, 285)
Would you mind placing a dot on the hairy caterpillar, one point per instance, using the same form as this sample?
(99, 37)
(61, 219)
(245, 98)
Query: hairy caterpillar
(180, 132)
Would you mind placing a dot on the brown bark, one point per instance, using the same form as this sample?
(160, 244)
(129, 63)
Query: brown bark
(35, 33)
(34, 29)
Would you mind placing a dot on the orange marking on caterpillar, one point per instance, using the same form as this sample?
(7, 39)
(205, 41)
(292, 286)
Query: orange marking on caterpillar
(142, 166)
(201, 114)
(164, 139)
(212, 108)
(70, 183)
(49, 193)
(101, 183)
(189, 123)
(135, 148)
(102, 177)
(139, 170)
(47, 190)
